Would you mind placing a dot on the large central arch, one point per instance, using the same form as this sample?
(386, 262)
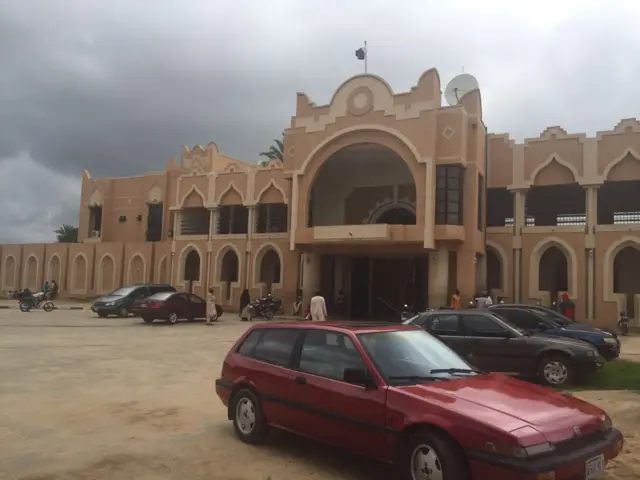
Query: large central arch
(377, 135)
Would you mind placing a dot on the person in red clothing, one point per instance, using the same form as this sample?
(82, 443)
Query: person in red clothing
(567, 307)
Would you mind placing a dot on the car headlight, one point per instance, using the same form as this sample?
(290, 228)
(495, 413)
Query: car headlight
(606, 424)
(518, 451)
(109, 304)
(590, 353)
(610, 340)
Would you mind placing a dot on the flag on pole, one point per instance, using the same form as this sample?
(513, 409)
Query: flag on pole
(361, 54)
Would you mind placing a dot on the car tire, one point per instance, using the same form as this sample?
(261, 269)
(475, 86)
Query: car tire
(426, 451)
(123, 312)
(147, 319)
(555, 371)
(249, 420)
(173, 318)
(102, 314)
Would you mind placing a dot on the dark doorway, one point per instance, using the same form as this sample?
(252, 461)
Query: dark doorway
(229, 272)
(360, 279)
(154, 222)
(192, 269)
(553, 272)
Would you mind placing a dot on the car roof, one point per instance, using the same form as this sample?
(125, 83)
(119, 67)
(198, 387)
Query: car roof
(518, 305)
(341, 326)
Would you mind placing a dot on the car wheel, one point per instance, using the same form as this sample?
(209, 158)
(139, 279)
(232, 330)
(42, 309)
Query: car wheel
(123, 312)
(249, 420)
(147, 319)
(173, 318)
(102, 314)
(431, 455)
(555, 371)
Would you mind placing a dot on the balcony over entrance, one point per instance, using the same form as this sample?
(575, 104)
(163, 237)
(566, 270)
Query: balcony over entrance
(362, 194)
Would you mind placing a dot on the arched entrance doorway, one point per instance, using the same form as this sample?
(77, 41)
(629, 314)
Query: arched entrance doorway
(191, 269)
(229, 273)
(626, 266)
(368, 183)
(270, 270)
(553, 276)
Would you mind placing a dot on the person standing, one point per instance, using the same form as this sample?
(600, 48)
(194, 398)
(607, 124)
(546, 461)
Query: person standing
(484, 300)
(455, 300)
(567, 307)
(212, 311)
(318, 308)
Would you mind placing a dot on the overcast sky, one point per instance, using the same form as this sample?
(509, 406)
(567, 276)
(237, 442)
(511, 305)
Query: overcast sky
(118, 86)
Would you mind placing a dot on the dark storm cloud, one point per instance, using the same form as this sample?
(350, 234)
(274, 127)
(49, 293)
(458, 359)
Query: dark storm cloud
(117, 87)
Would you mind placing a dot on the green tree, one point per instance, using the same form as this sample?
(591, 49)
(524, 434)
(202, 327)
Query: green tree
(67, 234)
(275, 151)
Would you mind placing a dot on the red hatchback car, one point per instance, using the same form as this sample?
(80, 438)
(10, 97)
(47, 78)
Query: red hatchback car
(397, 394)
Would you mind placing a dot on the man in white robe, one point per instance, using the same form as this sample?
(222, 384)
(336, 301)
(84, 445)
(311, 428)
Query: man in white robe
(318, 308)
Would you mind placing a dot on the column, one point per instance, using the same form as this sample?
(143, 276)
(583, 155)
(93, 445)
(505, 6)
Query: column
(251, 227)
(519, 221)
(438, 278)
(213, 224)
(591, 193)
(176, 224)
(310, 276)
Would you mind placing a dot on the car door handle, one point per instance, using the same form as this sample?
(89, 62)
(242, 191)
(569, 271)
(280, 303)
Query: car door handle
(301, 380)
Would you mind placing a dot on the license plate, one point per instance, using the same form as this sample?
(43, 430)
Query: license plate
(594, 468)
(143, 305)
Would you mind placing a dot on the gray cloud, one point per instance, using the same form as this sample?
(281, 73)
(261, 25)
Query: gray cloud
(117, 87)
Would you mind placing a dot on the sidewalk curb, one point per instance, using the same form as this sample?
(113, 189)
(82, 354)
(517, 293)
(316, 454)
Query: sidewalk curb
(10, 307)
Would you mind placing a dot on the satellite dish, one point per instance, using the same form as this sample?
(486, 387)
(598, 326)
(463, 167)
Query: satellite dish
(458, 87)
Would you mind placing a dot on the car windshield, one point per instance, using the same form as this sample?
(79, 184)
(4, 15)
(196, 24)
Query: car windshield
(412, 356)
(122, 292)
(555, 317)
(161, 295)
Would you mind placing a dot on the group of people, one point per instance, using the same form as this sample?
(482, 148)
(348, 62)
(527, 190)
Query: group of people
(49, 290)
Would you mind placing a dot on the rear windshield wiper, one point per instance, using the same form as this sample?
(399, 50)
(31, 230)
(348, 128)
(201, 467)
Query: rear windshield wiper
(453, 371)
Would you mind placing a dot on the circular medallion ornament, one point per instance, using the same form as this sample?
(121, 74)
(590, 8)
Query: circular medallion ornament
(360, 101)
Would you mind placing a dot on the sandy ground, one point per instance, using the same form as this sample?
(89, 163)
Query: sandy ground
(83, 398)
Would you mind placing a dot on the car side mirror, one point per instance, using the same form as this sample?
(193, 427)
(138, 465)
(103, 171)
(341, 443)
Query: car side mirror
(359, 376)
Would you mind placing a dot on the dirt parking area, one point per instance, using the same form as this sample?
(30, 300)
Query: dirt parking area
(83, 398)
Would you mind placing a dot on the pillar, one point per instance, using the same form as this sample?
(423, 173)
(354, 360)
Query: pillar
(176, 224)
(310, 276)
(213, 223)
(438, 277)
(591, 193)
(519, 222)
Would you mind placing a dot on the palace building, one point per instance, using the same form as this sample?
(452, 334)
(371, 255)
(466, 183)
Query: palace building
(391, 198)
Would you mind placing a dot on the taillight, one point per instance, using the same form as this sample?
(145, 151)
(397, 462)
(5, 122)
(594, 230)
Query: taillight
(155, 305)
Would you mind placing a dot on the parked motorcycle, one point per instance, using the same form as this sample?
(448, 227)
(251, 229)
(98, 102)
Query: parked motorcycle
(623, 324)
(35, 301)
(407, 313)
(266, 307)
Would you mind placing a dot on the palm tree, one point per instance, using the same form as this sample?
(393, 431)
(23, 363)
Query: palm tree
(67, 234)
(275, 151)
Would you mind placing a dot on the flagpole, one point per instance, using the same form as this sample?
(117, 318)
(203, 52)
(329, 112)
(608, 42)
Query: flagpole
(366, 57)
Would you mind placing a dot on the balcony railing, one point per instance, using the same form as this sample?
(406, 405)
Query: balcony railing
(626, 218)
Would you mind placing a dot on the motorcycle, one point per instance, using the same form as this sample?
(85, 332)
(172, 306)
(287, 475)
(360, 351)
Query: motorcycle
(37, 300)
(407, 313)
(623, 324)
(266, 307)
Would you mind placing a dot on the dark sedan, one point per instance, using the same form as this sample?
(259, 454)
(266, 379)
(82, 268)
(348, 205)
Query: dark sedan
(492, 344)
(536, 319)
(120, 301)
(171, 307)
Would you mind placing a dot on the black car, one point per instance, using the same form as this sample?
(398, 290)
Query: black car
(120, 301)
(492, 344)
(538, 319)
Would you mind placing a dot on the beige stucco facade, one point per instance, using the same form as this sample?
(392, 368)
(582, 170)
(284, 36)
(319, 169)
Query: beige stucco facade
(390, 198)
